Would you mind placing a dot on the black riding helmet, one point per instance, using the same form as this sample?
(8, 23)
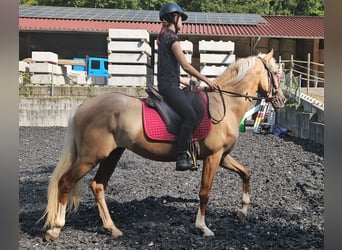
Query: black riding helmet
(167, 9)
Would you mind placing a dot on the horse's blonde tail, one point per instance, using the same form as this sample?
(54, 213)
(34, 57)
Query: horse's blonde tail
(66, 160)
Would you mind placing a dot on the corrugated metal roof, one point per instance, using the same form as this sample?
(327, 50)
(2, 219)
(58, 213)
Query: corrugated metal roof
(275, 26)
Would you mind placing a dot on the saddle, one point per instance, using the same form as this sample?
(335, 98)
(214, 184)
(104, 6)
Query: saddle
(173, 120)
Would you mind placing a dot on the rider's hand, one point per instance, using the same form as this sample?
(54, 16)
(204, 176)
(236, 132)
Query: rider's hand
(212, 84)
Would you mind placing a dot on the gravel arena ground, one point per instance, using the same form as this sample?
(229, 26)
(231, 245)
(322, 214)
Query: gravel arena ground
(155, 206)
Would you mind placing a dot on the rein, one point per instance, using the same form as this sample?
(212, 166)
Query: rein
(246, 96)
(216, 121)
(234, 94)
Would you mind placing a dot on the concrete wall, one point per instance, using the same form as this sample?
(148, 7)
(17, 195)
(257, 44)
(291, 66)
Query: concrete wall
(302, 124)
(45, 106)
(46, 112)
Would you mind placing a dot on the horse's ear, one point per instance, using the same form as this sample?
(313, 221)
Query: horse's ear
(269, 56)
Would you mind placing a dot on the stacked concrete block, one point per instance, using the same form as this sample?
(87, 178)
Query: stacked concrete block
(129, 57)
(75, 76)
(215, 56)
(78, 77)
(187, 48)
(44, 69)
(24, 75)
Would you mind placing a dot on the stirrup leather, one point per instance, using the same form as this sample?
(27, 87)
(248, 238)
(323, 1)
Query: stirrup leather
(192, 153)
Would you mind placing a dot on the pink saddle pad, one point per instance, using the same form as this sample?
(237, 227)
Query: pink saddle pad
(155, 128)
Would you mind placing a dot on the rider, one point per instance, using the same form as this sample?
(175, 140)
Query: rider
(170, 58)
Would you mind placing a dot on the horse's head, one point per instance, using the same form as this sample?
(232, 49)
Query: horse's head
(270, 82)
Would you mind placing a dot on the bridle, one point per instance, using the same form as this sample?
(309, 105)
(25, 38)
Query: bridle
(272, 85)
(272, 88)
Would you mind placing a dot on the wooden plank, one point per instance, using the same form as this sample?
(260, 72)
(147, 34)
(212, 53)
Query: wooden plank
(71, 62)
(60, 61)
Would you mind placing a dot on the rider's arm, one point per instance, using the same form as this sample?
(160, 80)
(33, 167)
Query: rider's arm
(178, 52)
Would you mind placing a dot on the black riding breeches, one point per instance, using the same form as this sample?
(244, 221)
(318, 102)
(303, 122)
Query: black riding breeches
(181, 104)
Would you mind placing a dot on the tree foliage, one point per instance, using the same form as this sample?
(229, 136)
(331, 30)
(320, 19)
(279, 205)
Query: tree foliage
(262, 7)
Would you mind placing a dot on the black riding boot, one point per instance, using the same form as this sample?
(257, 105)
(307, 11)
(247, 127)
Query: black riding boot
(183, 162)
(183, 139)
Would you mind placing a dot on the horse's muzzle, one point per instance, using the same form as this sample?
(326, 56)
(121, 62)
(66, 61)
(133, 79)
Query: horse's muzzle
(278, 100)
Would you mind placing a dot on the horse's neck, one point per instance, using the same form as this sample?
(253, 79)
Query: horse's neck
(246, 84)
(239, 105)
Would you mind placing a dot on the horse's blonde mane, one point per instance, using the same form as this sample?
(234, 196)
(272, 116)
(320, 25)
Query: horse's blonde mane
(236, 71)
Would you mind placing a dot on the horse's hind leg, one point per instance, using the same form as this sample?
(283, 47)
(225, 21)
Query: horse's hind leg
(68, 184)
(230, 163)
(98, 187)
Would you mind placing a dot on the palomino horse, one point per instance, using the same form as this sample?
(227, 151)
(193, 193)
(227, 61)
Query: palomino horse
(100, 129)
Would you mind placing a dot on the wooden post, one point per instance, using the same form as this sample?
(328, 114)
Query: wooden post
(282, 74)
(299, 89)
(315, 58)
(308, 76)
(291, 71)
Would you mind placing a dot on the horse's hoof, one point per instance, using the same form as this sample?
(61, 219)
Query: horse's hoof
(207, 232)
(116, 234)
(241, 216)
(51, 235)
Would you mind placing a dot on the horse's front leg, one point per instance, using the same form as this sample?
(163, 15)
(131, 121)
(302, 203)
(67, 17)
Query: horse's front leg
(98, 187)
(210, 165)
(230, 163)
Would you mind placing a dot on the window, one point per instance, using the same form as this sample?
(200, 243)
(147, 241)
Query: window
(95, 64)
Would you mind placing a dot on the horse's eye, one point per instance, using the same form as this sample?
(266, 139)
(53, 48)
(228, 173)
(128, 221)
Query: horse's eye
(277, 72)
